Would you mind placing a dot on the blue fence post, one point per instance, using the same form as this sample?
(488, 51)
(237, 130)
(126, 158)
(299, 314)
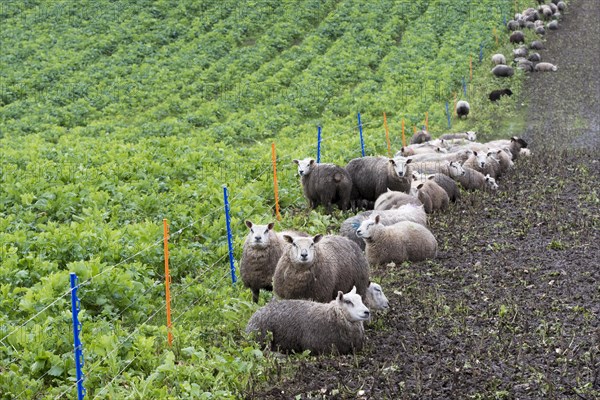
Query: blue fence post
(480, 52)
(319, 144)
(75, 306)
(362, 142)
(229, 236)
(448, 115)
(504, 19)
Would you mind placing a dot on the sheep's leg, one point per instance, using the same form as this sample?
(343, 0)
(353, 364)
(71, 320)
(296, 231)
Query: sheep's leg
(255, 293)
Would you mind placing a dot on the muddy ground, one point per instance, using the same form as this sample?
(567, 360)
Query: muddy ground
(511, 307)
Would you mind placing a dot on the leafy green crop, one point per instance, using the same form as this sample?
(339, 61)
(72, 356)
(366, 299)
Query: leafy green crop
(117, 114)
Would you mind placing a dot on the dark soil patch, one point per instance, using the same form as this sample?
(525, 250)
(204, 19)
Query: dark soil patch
(511, 307)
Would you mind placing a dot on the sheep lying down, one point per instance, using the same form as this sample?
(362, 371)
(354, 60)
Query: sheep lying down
(323, 328)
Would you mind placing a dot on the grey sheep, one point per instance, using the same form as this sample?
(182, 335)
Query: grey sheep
(439, 197)
(475, 180)
(325, 184)
(404, 241)
(537, 45)
(394, 199)
(544, 66)
(504, 159)
(452, 168)
(407, 212)
(471, 136)
(503, 71)
(317, 268)
(448, 184)
(512, 146)
(517, 37)
(420, 137)
(372, 176)
(535, 57)
(498, 59)
(298, 325)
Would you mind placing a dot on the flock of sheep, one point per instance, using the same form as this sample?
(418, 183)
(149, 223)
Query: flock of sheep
(323, 292)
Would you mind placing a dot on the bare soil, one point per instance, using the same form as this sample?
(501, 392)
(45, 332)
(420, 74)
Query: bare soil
(511, 307)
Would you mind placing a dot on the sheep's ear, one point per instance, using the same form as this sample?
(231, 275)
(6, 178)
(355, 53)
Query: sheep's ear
(499, 151)
(431, 177)
(377, 219)
(475, 153)
(249, 224)
(487, 177)
(392, 161)
(271, 225)
(288, 238)
(353, 291)
(317, 238)
(402, 149)
(297, 161)
(389, 190)
(340, 296)
(408, 161)
(311, 161)
(420, 186)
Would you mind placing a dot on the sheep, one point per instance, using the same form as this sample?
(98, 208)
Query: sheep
(425, 148)
(462, 108)
(544, 66)
(439, 197)
(495, 95)
(299, 325)
(407, 212)
(525, 65)
(512, 146)
(491, 183)
(474, 180)
(460, 155)
(504, 160)
(540, 30)
(470, 136)
(424, 198)
(477, 161)
(561, 5)
(513, 25)
(503, 71)
(520, 52)
(553, 25)
(420, 137)
(535, 57)
(372, 176)
(537, 45)
(325, 184)
(498, 59)
(394, 199)
(452, 168)
(517, 37)
(375, 299)
(404, 241)
(448, 184)
(316, 268)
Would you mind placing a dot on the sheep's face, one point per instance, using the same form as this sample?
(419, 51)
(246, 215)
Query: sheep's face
(401, 166)
(365, 230)
(302, 249)
(491, 182)
(375, 298)
(472, 136)
(305, 166)
(480, 159)
(352, 306)
(456, 169)
(259, 234)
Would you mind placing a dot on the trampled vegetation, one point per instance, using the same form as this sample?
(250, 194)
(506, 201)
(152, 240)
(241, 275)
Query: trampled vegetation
(115, 115)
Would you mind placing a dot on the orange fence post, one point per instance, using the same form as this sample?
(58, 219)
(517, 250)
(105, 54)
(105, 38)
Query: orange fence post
(167, 281)
(495, 35)
(403, 137)
(275, 186)
(387, 135)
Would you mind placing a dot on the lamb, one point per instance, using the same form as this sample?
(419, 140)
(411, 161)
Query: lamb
(439, 197)
(544, 66)
(495, 95)
(540, 30)
(517, 37)
(503, 71)
(448, 184)
(504, 160)
(317, 268)
(498, 59)
(424, 198)
(475, 180)
(470, 136)
(299, 325)
(393, 199)
(325, 184)
(372, 176)
(404, 241)
(462, 108)
(407, 212)
(420, 137)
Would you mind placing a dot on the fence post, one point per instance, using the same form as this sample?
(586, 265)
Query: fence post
(275, 185)
(75, 307)
(362, 142)
(403, 135)
(387, 135)
(318, 144)
(480, 52)
(229, 236)
(448, 115)
(167, 281)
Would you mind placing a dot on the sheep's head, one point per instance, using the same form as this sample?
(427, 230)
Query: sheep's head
(302, 249)
(401, 165)
(472, 136)
(259, 234)
(375, 298)
(456, 169)
(352, 306)
(305, 166)
(491, 182)
(481, 159)
(365, 230)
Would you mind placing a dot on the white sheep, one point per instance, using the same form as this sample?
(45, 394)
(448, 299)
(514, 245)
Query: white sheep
(299, 325)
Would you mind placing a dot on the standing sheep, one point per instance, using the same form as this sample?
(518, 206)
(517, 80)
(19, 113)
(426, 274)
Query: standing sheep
(372, 176)
(496, 94)
(316, 268)
(404, 241)
(420, 137)
(439, 197)
(408, 212)
(545, 66)
(299, 325)
(325, 184)
(462, 108)
(448, 184)
(517, 37)
(503, 71)
(498, 59)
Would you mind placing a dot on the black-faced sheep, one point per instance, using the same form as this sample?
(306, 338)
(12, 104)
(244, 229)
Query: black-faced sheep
(462, 108)
(408, 212)
(496, 94)
(325, 184)
(372, 176)
(420, 137)
(544, 66)
(404, 241)
(503, 71)
(517, 37)
(316, 268)
(298, 325)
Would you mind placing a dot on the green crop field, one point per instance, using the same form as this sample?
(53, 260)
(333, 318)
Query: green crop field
(115, 115)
